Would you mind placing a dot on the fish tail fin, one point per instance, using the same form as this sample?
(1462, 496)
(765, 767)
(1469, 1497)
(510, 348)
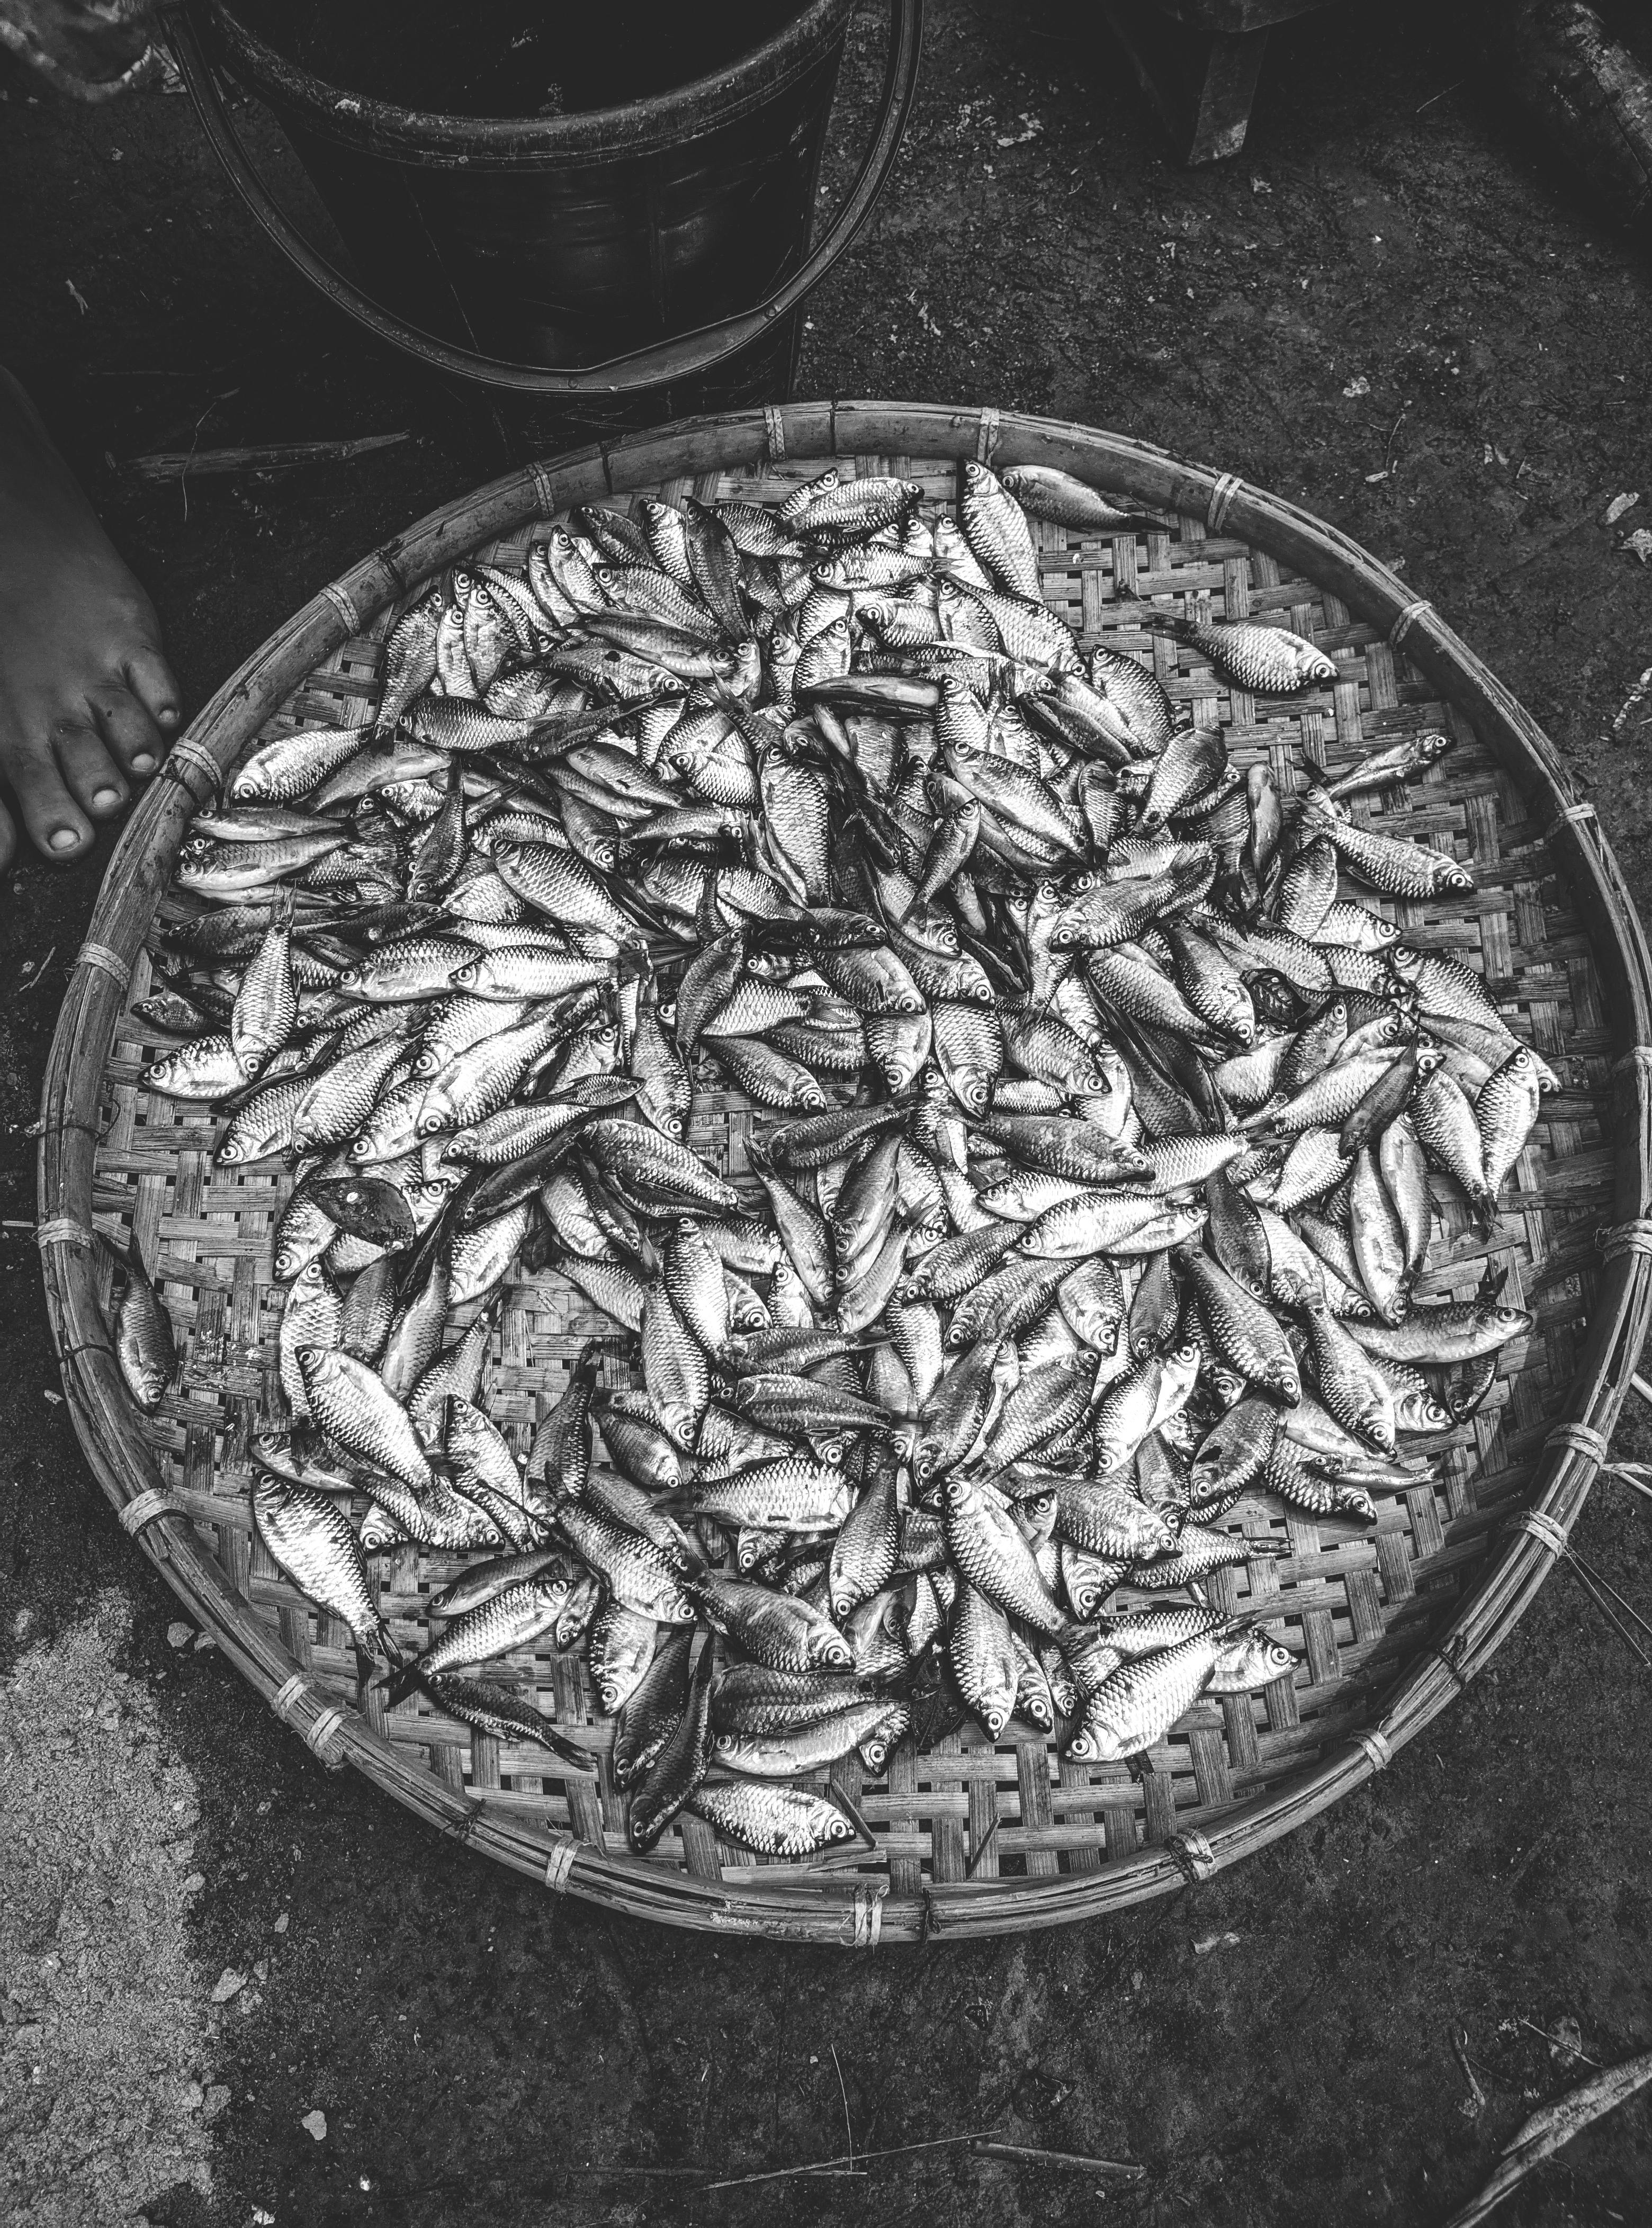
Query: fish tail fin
(135, 1256)
(570, 1752)
(382, 1650)
(1148, 616)
(404, 1677)
(589, 1361)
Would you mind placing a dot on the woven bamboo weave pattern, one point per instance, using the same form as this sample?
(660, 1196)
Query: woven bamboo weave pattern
(1384, 1622)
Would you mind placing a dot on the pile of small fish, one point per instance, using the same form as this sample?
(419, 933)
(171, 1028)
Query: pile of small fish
(1090, 1190)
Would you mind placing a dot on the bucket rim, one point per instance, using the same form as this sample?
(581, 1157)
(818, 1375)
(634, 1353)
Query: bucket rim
(438, 139)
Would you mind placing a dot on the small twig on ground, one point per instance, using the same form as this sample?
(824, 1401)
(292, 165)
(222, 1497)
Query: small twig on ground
(822, 2166)
(848, 2125)
(648, 2172)
(274, 456)
(33, 976)
(1475, 2103)
(1582, 2056)
(1636, 1475)
(1116, 2170)
(1393, 435)
(1551, 2127)
(1542, 1842)
(1607, 1610)
(195, 443)
(1441, 94)
(1607, 1587)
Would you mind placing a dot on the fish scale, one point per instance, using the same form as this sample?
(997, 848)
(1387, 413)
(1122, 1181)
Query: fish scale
(1266, 659)
(785, 1496)
(1247, 1332)
(620, 1650)
(490, 1707)
(640, 1577)
(777, 1630)
(1445, 1124)
(651, 1705)
(312, 1541)
(1395, 866)
(864, 1553)
(1351, 1388)
(988, 1548)
(1505, 1113)
(514, 1618)
(775, 1821)
(359, 1414)
(1047, 1402)
(802, 1749)
(1137, 1705)
(681, 1764)
(281, 771)
(995, 529)
(982, 1650)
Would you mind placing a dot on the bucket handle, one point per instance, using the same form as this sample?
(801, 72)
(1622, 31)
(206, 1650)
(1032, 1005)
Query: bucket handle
(682, 357)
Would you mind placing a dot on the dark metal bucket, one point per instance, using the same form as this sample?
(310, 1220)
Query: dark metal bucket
(633, 263)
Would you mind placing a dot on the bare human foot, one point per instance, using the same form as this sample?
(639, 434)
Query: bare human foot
(87, 698)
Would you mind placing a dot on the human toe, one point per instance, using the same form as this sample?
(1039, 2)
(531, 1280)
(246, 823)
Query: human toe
(92, 776)
(129, 731)
(56, 825)
(150, 681)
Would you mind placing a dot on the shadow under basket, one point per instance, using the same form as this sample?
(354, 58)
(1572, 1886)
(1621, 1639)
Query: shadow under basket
(1386, 1623)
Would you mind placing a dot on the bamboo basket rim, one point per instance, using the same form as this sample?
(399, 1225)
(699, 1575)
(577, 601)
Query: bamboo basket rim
(853, 1911)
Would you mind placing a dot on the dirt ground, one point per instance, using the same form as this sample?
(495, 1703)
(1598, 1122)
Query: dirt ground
(1388, 308)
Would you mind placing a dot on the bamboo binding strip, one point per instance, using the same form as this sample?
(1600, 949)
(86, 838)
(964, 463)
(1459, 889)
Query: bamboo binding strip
(1385, 1625)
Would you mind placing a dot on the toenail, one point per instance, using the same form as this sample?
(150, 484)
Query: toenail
(62, 839)
(143, 763)
(167, 714)
(106, 796)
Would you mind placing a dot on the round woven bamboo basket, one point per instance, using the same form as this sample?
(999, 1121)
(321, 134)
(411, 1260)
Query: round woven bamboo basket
(1387, 1624)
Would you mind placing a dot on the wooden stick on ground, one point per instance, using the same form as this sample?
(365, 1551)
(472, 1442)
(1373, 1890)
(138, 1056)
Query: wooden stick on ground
(1606, 1608)
(1114, 2170)
(1632, 1473)
(822, 2166)
(274, 456)
(1552, 2127)
(636, 2172)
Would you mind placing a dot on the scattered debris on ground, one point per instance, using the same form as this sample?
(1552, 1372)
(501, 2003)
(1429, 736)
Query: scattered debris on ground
(105, 2039)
